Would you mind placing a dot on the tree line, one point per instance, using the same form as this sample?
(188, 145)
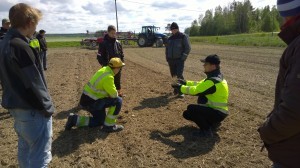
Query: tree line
(237, 17)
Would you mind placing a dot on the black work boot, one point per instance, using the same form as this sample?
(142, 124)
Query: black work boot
(71, 122)
(115, 128)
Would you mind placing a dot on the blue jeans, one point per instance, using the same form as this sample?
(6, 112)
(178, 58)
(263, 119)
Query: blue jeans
(34, 132)
(276, 165)
(98, 110)
(43, 56)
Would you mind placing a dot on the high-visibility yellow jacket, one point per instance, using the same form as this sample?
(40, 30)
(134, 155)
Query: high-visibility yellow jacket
(101, 85)
(213, 92)
(34, 43)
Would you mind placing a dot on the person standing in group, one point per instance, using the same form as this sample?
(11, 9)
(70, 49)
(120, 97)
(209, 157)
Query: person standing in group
(34, 43)
(177, 50)
(4, 28)
(25, 93)
(281, 130)
(212, 92)
(109, 48)
(43, 47)
(98, 94)
(3, 31)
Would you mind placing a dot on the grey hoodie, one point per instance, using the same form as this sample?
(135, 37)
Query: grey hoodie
(21, 76)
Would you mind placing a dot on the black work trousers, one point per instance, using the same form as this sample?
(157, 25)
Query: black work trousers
(204, 117)
(176, 68)
(117, 79)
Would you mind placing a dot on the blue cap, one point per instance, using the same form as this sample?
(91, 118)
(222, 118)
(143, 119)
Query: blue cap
(288, 7)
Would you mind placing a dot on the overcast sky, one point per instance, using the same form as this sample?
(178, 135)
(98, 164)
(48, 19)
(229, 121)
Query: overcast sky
(77, 16)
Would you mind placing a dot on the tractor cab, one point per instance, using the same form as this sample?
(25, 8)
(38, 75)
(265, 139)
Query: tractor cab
(149, 36)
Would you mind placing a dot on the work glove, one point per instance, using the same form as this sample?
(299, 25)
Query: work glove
(181, 81)
(176, 87)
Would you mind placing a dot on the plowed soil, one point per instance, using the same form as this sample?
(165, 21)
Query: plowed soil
(156, 134)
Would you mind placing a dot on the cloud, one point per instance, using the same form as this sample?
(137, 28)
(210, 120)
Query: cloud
(65, 9)
(184, 18)
(105, 8)
(74, 16)
(93, 8)
(57, 1)
(63, 19)
(168, 5)
(5, 6)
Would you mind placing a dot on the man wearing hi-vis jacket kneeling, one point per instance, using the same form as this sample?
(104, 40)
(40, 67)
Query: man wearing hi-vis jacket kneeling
(100, 93)
(212, 95)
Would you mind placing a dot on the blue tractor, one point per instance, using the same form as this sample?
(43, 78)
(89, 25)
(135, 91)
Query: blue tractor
(149, 36)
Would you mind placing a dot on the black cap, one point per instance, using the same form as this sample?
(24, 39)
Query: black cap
(212, 59)
(42, 31)
(174, 25)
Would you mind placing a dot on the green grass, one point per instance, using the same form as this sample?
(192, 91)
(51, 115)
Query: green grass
(255, 39)
(62, 38)
(60, 44)
(57, 41)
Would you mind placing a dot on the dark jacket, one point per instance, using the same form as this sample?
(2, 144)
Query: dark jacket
(281, 130)
(42, 41)
(109, 48)
(21, 76)
(178, 47)
(2, 32)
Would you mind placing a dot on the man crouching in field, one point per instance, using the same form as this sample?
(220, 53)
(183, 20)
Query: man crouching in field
(25, 92)
(281, 130)
(100, 93)
(212, 95)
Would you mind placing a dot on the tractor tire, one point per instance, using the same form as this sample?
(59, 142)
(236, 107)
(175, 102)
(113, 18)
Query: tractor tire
(94, 44)
(142, 41)
(159, 42)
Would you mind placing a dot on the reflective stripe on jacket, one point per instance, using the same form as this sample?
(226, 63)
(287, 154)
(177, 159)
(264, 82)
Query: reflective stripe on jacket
(101, 85)
(213, 92)
(34, 43)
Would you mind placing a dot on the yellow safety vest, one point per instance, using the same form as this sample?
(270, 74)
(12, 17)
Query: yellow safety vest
(34, 43)
(101, 85)
(217, 100)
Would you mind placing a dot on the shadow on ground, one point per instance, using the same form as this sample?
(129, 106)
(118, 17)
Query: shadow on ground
(65, 114)
(155, 102)
(69, 141)
(191, 146)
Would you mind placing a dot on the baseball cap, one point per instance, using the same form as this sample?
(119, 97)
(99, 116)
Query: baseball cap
(174, 25)
(116, 62)
(5, 21)
(42, 31)
(212, 59)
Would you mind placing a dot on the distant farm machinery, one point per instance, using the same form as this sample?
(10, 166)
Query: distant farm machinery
(150, 36)
(93, 42)
(147, 38)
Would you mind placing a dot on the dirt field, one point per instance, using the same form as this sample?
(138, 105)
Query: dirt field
(156, 135)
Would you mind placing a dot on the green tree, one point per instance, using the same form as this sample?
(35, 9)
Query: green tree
(194, 31)
(207, 24)
(237, 17)
(266, 20)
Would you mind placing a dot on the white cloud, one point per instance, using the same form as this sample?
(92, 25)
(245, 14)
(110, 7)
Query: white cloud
(75, 16)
